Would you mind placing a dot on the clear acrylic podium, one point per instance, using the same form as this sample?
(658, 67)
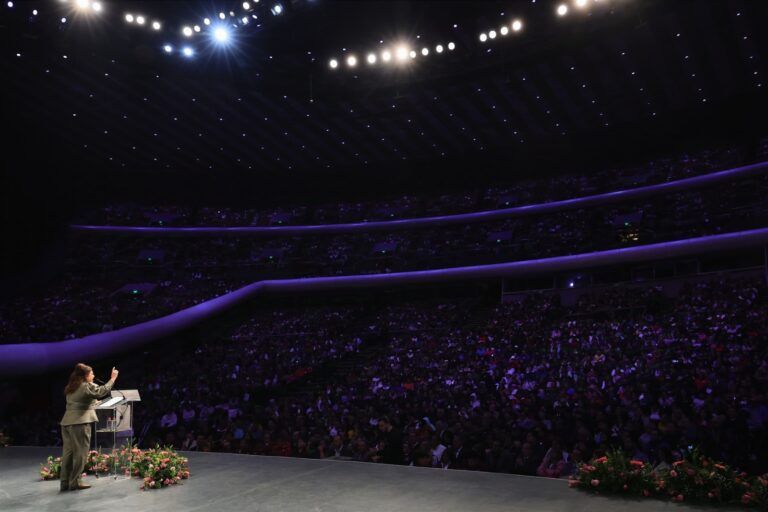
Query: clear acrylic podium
(115, 423)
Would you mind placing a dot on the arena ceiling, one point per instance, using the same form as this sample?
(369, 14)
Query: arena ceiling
(100, 94)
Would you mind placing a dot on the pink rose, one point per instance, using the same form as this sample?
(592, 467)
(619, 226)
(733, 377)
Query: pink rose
(679, 497)
(595, 482)
(673, 473)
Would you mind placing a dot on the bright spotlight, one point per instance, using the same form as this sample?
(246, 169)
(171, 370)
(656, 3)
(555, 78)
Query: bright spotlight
(156, 25)
(483, 37)
(439, 48)
(517, 25)
(492, 34)
(581, 3)
(562, 10)
(206, 21)
(129, 18)
(246, 5)
(96, 6)
(221, 35)
(333, 63)
(425, 51)
(187, 31)
(451, 46)
(504, 31)
(351, 61)
(168, 48)
(140, 20)
(10, 4)
(371, 58)
(386, 56)
(245, 20)
(222, 16)
(401, 53)
(188, 52)
(277, 9)
(412, 54)
(81, 4)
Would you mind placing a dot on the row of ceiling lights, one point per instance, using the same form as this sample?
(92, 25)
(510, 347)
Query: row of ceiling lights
(400, 54)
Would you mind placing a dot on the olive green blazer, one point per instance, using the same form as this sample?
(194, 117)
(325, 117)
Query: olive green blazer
(81, 403)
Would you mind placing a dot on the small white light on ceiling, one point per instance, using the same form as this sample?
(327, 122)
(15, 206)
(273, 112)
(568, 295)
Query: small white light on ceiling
(196, 28)
(483, 37)
(504, 30)
(425, 51)
(206, 21)
(333, 63)
(187, 31)
(187, 51)
(451, 46)
(129, 18)
(246, 5)
(386, 56)
(401, 53)
(562, 10)
(140, 20)
(492, 34)
(439, 48)
(156, 25)
(168, 48)
(371, 58)
(351, 61)
(517, 25)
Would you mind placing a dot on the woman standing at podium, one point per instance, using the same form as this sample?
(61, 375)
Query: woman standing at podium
(82, 395)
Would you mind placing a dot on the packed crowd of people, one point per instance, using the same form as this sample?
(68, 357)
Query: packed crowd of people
(521, 193)
(87, 297)
(530, 386)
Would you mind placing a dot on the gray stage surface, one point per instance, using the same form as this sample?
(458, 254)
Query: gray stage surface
(227, 482)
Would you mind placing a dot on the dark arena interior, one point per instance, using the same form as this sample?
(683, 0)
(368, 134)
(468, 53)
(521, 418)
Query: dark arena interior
(384, 255)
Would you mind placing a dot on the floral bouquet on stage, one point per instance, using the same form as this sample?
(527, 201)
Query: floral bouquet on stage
(695, 478)
(161, 467)
(51, 469)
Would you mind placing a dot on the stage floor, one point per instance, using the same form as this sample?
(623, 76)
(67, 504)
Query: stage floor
(228, 482)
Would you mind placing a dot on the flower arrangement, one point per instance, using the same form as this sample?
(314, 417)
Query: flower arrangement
(98, 462)
(695, 478)
(51, 470)
(159, 467)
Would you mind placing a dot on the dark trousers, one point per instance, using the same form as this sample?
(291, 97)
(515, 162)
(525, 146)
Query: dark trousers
(77, 443)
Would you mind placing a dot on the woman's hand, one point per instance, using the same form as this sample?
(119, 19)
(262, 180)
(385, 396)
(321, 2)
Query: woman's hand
(114, 374)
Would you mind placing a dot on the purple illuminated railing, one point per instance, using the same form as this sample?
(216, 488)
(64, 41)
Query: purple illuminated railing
(36, 358)
(441, 220)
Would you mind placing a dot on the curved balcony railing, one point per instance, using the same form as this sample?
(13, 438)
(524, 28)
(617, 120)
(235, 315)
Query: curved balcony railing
(36, 358)
(441, 220)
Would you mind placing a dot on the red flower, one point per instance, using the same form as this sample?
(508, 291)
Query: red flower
(673, 473)
(746, 498)
(601, 460)
(595, 482)
(637, 463)
(679, 497)
(625, 487)
(646, 493)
